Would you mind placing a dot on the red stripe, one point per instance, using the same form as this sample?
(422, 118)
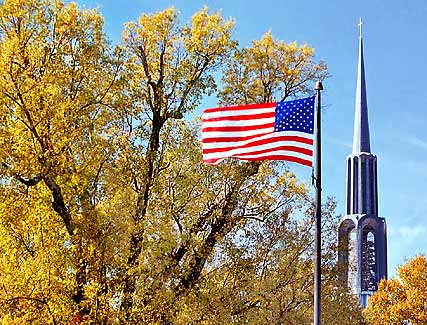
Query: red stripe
(240, 117)
(304, 151)
(229, 139)
(283, 157)
(270, 157)
(240, 128)
(239, 107)
(288, 148)
(211, 161)
(236, 139)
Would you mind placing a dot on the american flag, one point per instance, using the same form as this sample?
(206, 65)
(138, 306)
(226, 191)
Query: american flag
(270, 131)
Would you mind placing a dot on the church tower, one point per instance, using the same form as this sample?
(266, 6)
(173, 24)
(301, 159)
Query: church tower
(362, 241)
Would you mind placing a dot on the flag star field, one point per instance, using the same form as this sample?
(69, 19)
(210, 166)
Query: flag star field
(295, 116)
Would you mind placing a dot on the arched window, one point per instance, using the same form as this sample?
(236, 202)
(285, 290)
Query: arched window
(355, 185)
(347, 254)
(369, 267)
(352, 260)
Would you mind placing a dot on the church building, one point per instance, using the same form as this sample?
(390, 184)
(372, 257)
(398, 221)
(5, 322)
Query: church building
(362, 238)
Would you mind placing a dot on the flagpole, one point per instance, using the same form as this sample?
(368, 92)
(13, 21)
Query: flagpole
(318, 184)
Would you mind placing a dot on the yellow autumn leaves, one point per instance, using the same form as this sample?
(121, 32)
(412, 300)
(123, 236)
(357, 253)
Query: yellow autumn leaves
(107, 214)
(270, 70)
(402, 300)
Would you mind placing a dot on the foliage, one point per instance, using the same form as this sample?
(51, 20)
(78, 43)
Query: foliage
(402, 300)
(270, 69)
(108, 215)
(57, 76)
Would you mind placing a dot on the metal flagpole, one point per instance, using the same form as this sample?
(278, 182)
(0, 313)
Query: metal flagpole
(318, 184)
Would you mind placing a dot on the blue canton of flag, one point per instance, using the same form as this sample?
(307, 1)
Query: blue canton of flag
(296, 115)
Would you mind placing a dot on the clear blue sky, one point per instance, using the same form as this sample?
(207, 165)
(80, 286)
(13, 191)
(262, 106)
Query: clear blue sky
(395, 46)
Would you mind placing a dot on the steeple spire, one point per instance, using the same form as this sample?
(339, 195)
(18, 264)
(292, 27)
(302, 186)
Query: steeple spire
(361, 142)
(362, 238)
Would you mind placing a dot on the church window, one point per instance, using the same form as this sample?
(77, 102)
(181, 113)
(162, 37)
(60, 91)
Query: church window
(363, 183)
(369, 269)
(355, 185)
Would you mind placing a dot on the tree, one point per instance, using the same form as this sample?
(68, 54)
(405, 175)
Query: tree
(58, 74)
(402, 300)
(168, 70)
(265, 275)
(108, 214)
(270, 70)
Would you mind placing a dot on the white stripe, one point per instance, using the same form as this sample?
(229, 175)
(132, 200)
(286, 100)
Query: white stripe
(270, 146)
(260, 146)
(258, 121)
(266, 154)
(239, 112)
(278, 152)
(264, 136)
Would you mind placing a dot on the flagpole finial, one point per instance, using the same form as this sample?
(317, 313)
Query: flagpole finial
(319, 86)
(360, 27)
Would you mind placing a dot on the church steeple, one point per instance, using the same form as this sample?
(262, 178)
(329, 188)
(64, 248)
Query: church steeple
(362, 241)
(361, 142)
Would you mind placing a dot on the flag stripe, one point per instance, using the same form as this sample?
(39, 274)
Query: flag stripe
(265, 157)
(266, 143)
(292, 136)
(241, 117)
(281, 131)
(234, 141)
(238, 113)
(239, 107)
(280, 157)
(261, 150)
(237, 128)
(304, 151)
(261, 121)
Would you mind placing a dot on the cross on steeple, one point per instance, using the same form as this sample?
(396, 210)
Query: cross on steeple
(360, 26)
(361, 142)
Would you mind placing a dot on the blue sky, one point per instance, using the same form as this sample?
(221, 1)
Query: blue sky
(395, 46)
